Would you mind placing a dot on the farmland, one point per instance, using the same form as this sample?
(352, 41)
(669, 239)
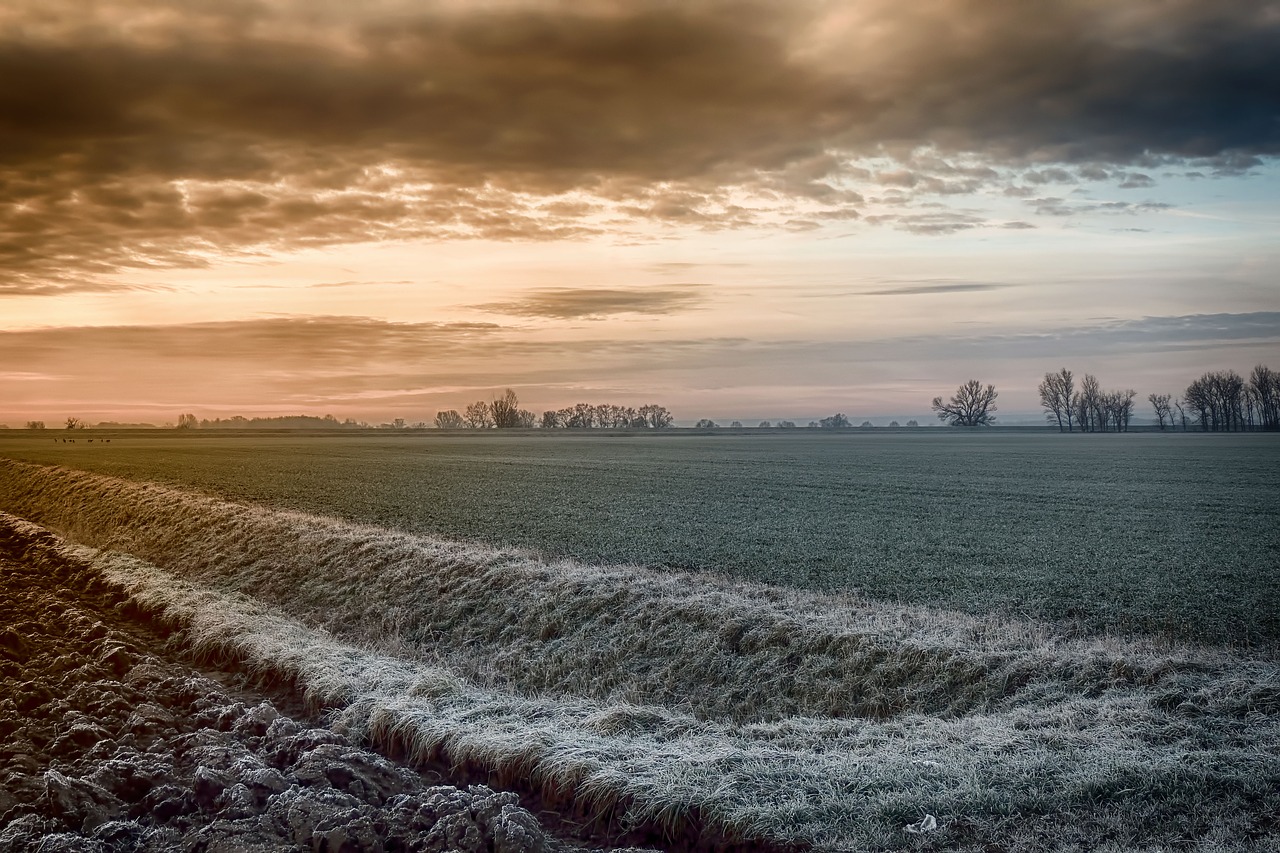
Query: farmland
(778, 641)
(1173, 535)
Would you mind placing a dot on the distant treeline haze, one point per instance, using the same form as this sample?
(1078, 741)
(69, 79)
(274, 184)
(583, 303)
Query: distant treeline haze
(1219, 401)
(505, 413)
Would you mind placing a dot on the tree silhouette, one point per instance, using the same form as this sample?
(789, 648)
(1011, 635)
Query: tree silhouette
(477, 415)
(1056, 393)
(970, 406)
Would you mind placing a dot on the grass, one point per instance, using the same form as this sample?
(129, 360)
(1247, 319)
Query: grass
(789, 715)
(1170, 534)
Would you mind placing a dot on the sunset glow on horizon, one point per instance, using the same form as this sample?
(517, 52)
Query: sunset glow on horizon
(738, 210)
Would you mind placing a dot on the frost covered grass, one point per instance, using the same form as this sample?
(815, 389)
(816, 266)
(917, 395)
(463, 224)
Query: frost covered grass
(506, 619)
(671, 699)
(1151, 533)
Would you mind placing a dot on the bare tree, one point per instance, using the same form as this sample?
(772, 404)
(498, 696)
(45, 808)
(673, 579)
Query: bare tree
(186, 421)
(837, 421)
(74, 423)
(970, 406)
(1080, 406)
(655, 416)
(1160, 404)
(477, 415)
(1056, 393)
(35, 424)
(449, 420)
(1090, 409)
(765, 425)
(1124, 409)
(707, 423)
(1216, 400)
(1265, 386)
(505, 412)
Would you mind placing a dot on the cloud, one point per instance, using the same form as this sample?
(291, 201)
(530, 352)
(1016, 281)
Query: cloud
(925, 288)
(63, 285)
(1136, 180)
(142, 133)
(357, 366)
(356, 283)
(941, 222)
(566, 303)
(1053, 206)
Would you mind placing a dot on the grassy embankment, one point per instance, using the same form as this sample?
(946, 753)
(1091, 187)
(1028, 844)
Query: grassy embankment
(666, 698)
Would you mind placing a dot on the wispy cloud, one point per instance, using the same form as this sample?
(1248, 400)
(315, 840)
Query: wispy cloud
(355, 283)
(349, 364)
(926, 288)
(572, 303)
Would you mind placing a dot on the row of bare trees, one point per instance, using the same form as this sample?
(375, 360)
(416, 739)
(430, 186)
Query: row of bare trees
(505, 413)
(1087, 409)
(1217, 401)
(1224, 401)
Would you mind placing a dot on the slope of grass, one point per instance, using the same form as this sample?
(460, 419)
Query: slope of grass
(714, 646)
(758, 712)
(1151, 533)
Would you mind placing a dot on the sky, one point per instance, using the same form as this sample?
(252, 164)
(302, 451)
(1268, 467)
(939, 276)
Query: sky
(738, 210)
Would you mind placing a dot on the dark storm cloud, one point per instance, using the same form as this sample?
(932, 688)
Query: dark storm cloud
(572, 303)
(138, 133)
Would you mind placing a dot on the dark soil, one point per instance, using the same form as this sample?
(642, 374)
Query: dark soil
(110, 740)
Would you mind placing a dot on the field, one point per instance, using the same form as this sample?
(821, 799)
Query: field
(788, 641)
(1174, 534)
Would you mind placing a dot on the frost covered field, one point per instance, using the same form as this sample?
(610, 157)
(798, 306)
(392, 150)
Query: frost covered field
(1024, 641)
(1163, 533)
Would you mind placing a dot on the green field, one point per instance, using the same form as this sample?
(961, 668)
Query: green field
(1172, 534)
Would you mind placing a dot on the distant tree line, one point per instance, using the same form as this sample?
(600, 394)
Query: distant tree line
(1219, 401)
(1223, 401)
(505, 413)
(1087, 409)
(187, 421)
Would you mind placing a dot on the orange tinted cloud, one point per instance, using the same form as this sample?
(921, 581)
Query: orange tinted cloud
(142, 134)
